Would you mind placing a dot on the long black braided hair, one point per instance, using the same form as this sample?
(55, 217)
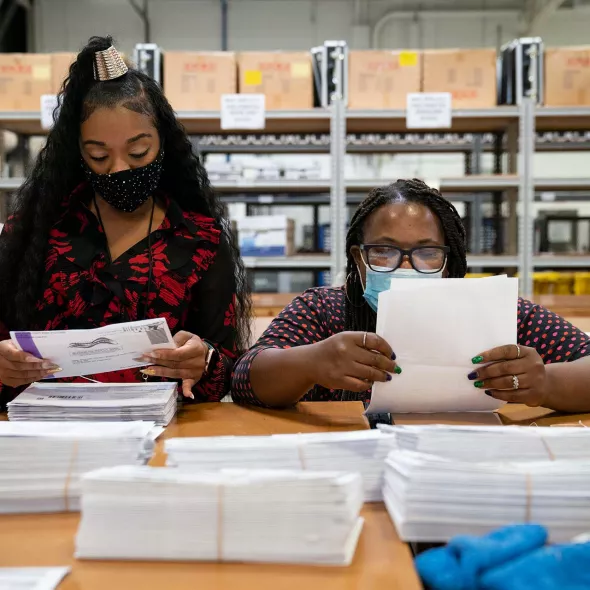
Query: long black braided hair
(57, 172)
(358, 315)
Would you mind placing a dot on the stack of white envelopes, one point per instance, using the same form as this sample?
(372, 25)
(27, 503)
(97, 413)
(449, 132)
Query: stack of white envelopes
(96, 401)
(432, 498)
(494, 443)
(361, 451)
(41, 462)
(230, 515)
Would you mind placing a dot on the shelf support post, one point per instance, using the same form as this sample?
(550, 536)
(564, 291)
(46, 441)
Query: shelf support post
(338, 208)
(526, 234)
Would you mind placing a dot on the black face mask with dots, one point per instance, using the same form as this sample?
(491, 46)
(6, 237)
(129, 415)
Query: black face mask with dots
(128, 189)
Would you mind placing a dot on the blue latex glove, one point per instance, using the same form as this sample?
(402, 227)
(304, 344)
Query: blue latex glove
(459, 565)
(561, 567)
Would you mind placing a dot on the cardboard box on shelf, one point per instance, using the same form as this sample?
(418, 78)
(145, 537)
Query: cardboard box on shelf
(382, 79)
(567, 76)
(284, 78)
(266, 235)
(468, 74)
(195, 80)
(24, 77)
(60, 66)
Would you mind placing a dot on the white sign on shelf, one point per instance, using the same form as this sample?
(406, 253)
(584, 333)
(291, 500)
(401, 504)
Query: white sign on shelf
(48, 105)
(243, 111)
(428, 110)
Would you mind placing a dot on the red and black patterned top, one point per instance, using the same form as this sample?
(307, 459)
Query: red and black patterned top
(319, 314)
(193, 285)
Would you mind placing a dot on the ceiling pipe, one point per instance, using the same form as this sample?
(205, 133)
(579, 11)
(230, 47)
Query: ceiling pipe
(398, 14)
(224, 17)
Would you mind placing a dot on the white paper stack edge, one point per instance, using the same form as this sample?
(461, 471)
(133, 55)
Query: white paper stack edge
(493, 443)
(96, 402)
(41, 462)
(32, 578)
(361, 451)
(431, 498)
(268, 516)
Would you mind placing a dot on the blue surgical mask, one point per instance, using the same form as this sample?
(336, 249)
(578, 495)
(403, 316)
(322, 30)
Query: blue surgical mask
(377, 282)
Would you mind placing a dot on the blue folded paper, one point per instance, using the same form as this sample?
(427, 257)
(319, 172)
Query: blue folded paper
(511, 558)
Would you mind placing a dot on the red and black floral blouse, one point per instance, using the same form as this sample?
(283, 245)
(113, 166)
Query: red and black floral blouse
(193, 285)
(319, 314)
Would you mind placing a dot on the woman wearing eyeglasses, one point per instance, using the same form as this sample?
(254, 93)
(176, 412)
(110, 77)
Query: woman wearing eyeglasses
(323, 347)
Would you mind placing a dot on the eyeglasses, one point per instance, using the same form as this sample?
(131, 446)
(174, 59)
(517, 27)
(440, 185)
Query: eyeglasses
(386, 258)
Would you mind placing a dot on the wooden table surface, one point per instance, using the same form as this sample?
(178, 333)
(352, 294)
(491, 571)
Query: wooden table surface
(381, 559)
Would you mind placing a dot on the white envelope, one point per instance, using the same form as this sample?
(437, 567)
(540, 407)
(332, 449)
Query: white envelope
(435, 327)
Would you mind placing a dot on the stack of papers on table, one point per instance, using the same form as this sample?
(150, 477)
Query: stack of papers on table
(362, 451)
(31, 578)
(41, 462)
(232, 515)
(431, 498)
(435, 328)
(96, 401)
(494, 443)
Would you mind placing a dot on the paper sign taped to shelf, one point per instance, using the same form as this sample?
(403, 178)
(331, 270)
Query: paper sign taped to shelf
(243, 111)
(428, 110)
(48, 105)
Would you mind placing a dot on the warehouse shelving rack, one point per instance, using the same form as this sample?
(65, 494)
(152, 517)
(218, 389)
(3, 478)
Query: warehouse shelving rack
(514, 127)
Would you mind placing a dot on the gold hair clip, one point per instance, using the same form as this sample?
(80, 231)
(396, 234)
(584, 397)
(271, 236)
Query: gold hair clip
(108, 65)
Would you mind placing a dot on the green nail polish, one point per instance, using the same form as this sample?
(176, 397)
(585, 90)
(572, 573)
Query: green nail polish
(397, 370)
(478, 384)
(477, 359)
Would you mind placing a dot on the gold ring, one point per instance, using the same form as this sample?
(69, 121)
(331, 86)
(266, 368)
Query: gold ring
(365, 340)
(517, 351)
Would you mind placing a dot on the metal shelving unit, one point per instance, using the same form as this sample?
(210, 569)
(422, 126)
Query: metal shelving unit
(515, 130)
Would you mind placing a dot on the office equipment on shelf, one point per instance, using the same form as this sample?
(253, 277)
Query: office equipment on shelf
(521, 71)
(363, 452)
(148, 59)
(266, 235)
(96, 402)
(41, 462)
(326, 59)
(232, 515)
(433, 498)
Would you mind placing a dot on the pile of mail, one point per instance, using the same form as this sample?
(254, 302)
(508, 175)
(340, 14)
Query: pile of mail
(41, 462)
(432, 498)
(96, 401)
(140, 513)
(361, 451)
(493, 443)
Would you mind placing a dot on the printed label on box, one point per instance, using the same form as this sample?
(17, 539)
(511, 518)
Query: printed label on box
(408, 59)
(252, 77)
(300, 70)
(41, 72)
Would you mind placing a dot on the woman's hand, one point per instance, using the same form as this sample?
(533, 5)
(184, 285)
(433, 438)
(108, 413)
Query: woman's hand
(353, 361)
(21, 368)
(187, 362)
(512, 366)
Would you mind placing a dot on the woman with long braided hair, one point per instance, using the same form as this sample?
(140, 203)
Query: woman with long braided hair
(117, 222)
(323, 345)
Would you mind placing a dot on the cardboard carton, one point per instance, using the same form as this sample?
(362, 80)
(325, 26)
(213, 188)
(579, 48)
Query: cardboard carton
(468, 74)
(567, 76)
(60, 66)
(284, 78)
(195, 81)
(382, 79)
(266, 235)
(24, 77)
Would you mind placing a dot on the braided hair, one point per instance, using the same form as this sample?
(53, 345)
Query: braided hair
(358, 315)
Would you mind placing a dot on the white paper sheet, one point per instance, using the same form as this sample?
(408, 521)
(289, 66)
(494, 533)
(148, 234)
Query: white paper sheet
(31, 578)
(89, 352)
(435, 327)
